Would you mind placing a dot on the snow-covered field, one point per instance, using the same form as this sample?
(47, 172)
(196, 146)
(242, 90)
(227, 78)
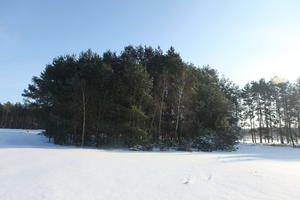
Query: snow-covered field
(31, 168)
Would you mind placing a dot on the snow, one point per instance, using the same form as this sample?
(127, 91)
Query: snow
(31, 168)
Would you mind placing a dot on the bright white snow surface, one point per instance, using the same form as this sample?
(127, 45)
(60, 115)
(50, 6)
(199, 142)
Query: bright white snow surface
(31, 168)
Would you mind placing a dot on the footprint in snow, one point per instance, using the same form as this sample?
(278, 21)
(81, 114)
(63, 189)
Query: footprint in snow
(209, 177)
(186, 181)
(255, 173)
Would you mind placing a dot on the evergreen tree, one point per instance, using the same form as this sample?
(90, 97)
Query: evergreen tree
(141, 97)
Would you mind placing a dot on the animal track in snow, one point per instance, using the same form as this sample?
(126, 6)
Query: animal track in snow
(209, 177)
(187, 180)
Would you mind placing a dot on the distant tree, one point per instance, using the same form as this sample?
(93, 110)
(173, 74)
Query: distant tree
(17, 115)
(275, 105)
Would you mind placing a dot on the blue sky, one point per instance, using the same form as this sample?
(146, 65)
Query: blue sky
(243, 39)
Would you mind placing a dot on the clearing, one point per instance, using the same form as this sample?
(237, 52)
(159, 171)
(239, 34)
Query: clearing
(31, 168)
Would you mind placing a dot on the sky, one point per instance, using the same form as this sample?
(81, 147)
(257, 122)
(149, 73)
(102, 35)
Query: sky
(244, 40)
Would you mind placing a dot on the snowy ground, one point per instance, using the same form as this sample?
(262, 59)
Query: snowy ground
(31, 168)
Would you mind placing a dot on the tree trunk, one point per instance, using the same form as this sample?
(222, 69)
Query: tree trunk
(83, 114)
(260, 125)
(162, 102)
(160, 114)
(180, 93)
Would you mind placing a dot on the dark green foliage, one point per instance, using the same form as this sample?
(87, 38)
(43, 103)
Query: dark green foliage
(142, 98)
(18, 116)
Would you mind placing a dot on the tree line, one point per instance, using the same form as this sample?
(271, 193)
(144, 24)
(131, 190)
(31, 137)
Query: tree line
(17, 115)
(271, 110)
(142, 97)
